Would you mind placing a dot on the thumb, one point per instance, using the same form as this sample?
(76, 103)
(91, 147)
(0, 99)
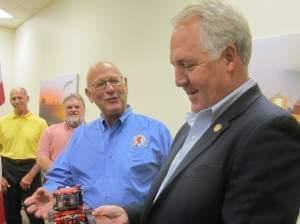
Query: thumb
(98, 211)
(110, 211)
(105, 210)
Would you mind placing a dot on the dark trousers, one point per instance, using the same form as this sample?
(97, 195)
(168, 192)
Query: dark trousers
(1, 209)
(15, 195)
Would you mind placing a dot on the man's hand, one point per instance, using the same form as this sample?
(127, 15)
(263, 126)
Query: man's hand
(26, 182)
(110, 214)
(4, 185)
(29, 177)
(40, 203)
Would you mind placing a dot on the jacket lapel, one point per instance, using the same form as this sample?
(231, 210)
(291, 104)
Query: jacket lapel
(221, 125)
(200, 146)
(176, 146)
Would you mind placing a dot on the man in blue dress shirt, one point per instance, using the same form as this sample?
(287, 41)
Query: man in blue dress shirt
(113, 158)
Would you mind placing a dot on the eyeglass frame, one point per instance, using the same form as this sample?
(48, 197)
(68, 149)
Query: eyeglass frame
(102, 84)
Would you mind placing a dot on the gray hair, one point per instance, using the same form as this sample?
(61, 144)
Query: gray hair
(19, 89)
(76, 96)
(221, 25)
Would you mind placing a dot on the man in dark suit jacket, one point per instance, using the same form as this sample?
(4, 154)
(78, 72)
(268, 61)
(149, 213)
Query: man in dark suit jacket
(236, 159)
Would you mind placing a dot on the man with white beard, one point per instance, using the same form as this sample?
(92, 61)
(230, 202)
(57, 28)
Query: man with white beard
(56, 137)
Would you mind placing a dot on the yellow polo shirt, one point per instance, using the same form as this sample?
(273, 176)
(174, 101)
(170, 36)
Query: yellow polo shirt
(19, 135)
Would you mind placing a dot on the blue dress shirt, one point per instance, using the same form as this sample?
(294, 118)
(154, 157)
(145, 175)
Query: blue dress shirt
(113, 164)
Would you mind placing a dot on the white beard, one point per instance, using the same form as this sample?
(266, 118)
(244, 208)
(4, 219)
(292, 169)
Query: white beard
(73, 121)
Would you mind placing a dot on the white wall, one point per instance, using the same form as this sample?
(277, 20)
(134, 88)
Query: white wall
(6, 60)
(270, 18)
(70, 35)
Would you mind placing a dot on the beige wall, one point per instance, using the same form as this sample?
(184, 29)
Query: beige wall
(6, 60)
(69, 35)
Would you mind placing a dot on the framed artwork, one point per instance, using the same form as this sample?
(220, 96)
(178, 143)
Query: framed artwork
(52, 93)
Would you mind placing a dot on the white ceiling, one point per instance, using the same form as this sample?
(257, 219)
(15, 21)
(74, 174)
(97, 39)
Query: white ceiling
(21, 10)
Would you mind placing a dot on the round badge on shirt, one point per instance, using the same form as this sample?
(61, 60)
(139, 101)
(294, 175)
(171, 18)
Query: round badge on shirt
(139, 141)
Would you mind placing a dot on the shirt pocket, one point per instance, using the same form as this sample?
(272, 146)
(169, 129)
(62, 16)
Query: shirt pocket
(143, 166)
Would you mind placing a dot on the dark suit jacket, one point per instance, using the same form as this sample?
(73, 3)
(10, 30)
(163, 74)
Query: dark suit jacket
(247, 172)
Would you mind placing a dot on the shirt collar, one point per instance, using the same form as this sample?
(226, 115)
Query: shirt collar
(191, 117)
(121, 119)
(217, 109)
(227, 101)
(14, 115)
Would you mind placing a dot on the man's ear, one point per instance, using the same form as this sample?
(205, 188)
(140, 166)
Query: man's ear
(229, 55)
(88, 94)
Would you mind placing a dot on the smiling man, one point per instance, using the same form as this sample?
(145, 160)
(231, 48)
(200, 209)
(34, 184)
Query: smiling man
(236, 158)
(115, 157)
(56, 137)
(20, 132)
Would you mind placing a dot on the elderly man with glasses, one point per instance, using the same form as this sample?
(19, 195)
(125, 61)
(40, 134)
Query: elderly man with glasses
(115, 157)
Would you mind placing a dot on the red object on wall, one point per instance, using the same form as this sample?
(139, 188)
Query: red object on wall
(2, 97)
(1, 209)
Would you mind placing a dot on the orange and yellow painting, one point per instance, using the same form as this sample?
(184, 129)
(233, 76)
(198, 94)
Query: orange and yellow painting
(52, 93)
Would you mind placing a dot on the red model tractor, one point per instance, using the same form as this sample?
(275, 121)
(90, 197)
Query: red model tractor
(69, 208)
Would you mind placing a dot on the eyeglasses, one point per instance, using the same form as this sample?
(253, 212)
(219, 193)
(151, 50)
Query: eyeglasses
(101, 84)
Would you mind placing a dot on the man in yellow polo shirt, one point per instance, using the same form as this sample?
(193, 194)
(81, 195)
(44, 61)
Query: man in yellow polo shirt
(20, 132)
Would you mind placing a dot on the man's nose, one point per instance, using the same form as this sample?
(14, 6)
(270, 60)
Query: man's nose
(109, 86)
(180, 77)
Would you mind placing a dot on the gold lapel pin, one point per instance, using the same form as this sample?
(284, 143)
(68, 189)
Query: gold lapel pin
(217, 127)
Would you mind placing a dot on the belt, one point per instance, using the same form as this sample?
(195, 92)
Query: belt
(18, 161)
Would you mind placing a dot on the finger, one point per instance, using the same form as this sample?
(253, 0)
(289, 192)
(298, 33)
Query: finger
(105, 210)
(38, 214)
(41, 192)
(25, 187)
(28, 201)
(98, 211)
(41, 213)
(31, 208)
(5, 184)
